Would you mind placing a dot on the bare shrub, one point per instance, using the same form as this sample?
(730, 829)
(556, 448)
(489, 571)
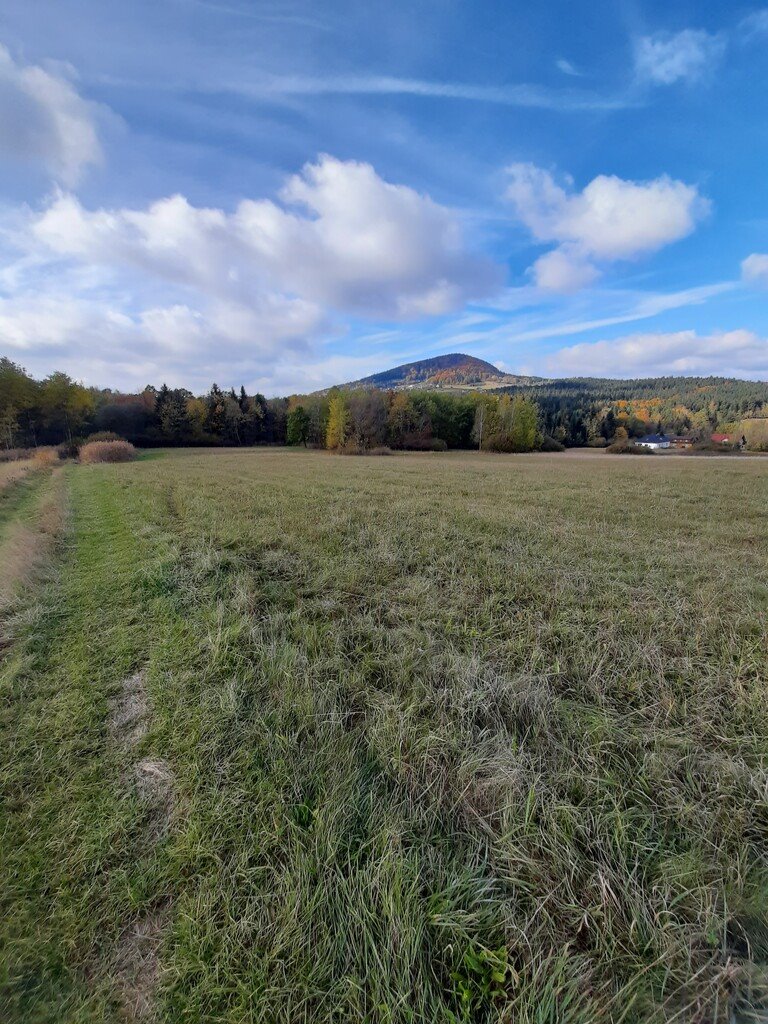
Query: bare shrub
(14, 454)
(550, 444)
(351, 448)
(624, 446)
(102, 435)
(107, 451)
(46, 456)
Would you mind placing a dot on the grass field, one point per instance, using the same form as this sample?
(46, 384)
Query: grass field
(290, 737)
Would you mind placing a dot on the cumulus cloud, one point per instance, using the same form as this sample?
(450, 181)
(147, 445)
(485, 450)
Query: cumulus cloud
(737, 353)
(611, 219)
(564, 270)
(341, 237)
(176, 283)
(43, 119)
(101, 341)
(688, 56)
(754, 269)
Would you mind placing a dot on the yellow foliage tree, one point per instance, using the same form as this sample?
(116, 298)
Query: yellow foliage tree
(338, 421)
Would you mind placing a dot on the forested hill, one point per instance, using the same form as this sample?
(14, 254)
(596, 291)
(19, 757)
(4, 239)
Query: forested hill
(455, 371)
(724, 398)
(686, 390)
(451, 401)
(676, 403)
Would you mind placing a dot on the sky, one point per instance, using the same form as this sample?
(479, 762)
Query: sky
(288, 195)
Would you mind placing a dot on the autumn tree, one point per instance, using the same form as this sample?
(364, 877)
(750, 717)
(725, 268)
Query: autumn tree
(368, 418)
(338, 421)
(18, 396)
(65, 407)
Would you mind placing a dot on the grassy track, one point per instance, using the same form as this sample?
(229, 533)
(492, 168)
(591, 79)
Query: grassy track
(439, 738)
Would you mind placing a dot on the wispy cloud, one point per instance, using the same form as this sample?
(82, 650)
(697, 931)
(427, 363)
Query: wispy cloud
(514, 95)
(754, 26)
(44, 120)
(278, 15)
(492, 335)
(754, 269)
(567, 68)
(644, 309)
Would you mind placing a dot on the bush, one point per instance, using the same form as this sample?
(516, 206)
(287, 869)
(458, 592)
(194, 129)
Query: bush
(107, 451)
(69, 449)
(102, 435)
(15, 454)
(46, 456)
(549, 444)
(353, 448)
(626, 447)
(499, 443)
(419, 443)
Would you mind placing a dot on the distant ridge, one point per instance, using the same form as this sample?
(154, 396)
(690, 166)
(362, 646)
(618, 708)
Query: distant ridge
(454, 371)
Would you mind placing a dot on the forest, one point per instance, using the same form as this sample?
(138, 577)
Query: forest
(570, 413)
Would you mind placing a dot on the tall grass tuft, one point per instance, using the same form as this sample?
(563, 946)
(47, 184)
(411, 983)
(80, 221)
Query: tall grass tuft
(46, 457)
(107, 451)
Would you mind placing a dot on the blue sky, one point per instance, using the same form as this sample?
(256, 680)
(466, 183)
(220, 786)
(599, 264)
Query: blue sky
(289, 194)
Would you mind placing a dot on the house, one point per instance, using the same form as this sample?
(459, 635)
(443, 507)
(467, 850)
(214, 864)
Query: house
(654, 441)
(720, 439)
(681, 442)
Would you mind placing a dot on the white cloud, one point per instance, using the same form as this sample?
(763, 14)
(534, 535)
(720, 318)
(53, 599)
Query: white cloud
(222, 292)
(737, 353)
(688, 56)
(43, 119)
(564, 270)
(521, 94)
(343, 238)
(97, 340)
(610, 219)
(754, 269)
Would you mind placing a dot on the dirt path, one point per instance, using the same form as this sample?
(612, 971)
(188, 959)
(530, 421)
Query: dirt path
(135, 967)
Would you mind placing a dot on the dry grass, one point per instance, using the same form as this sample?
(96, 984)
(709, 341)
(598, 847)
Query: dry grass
(28, 538)
(107, 451)
(46, 457)
(10, 472)
(457, 738)
(135, 968)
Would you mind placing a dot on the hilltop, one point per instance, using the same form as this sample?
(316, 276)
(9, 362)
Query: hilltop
(455, 371)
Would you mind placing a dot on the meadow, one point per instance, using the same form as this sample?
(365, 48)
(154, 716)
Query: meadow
(294, 737)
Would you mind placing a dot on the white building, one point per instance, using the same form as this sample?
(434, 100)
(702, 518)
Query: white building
(654, 441)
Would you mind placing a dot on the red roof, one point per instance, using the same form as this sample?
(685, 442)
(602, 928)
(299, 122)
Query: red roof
(719, 438)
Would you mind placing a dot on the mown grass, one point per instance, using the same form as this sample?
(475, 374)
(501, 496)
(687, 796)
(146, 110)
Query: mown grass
(451, 738)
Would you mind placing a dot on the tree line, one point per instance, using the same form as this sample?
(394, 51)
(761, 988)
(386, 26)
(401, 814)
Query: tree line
(59, 410)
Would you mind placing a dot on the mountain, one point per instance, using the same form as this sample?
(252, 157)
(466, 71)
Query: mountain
(454, 371)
